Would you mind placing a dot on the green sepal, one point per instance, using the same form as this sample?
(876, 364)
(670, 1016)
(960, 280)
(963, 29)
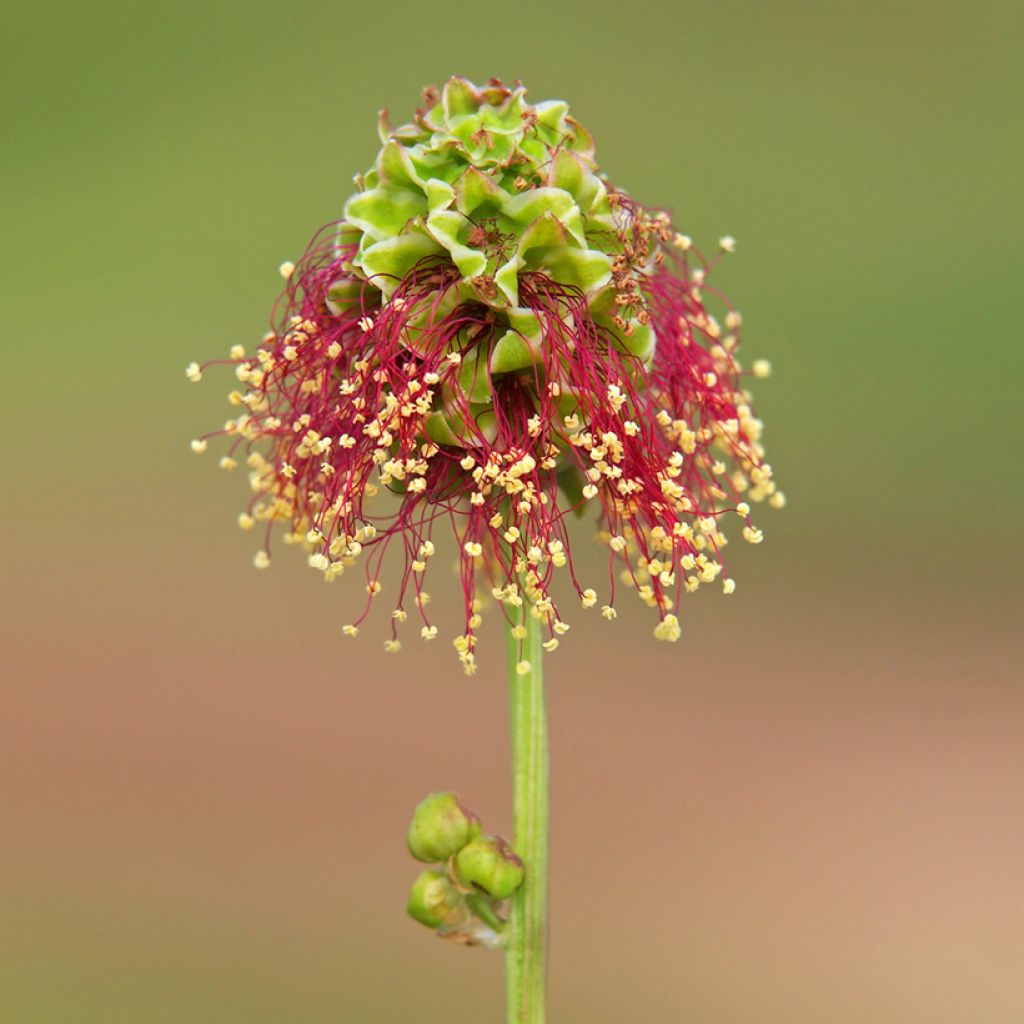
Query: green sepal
(587, 269)
(345, 293)
(383, 212)
(475, 190)
(438, 428)
(552, 114)
(395, 166)
(641, 343)
(449, 426)
(506, 117)
(395, 257)
(579, 138)
(446, 226)
(348, 234)
(520, 346)
(458, 98)
(570, 173)
(423, 319)
(528, 206)
(474, 376)
(511, 352)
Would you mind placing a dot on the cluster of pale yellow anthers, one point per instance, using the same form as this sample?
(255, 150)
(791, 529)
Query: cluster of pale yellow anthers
(652, 555)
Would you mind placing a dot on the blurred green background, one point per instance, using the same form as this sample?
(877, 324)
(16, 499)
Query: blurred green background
(809, 810)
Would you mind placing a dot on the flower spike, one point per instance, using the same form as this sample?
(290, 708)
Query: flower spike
(490, 340)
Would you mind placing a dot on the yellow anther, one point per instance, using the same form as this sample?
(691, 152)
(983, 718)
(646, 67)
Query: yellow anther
(522, 668)
(193, 373)
(588, 598)
(728, 586)
(668, 629)
(198, 446)
(473, 548)
(608, 612)
(590, 491)
(286, 269)
(428, 632)
(752, 534)
(392, 646)
(727, 243)
(761, 368)
(227, 462)
(743, 509)
(261, 560)
(350, 630)
(246, 521)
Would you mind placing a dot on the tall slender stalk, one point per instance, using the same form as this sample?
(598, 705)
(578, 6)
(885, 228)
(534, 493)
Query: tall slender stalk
(527, 937)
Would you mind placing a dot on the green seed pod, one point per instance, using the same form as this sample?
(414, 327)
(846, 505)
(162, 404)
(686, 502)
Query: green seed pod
(491, 865)
(434, 901)
(441, 827)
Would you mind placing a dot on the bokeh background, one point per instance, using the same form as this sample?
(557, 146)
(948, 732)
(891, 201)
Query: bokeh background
(809, 810)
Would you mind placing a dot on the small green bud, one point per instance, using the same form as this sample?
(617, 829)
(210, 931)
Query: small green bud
(434, 901)
(441, 827)
(491, 865)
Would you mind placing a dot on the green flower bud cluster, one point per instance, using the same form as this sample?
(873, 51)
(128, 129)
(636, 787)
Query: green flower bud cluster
(496, 187)
(474, 873)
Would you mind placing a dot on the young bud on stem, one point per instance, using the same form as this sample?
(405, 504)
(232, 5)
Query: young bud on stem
(434, 901)
(441, 827)
(491, 865)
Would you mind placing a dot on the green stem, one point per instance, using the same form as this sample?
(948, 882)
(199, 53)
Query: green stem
(481, 906)
(527, 931)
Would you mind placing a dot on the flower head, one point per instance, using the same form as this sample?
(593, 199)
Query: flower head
(492, 338)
